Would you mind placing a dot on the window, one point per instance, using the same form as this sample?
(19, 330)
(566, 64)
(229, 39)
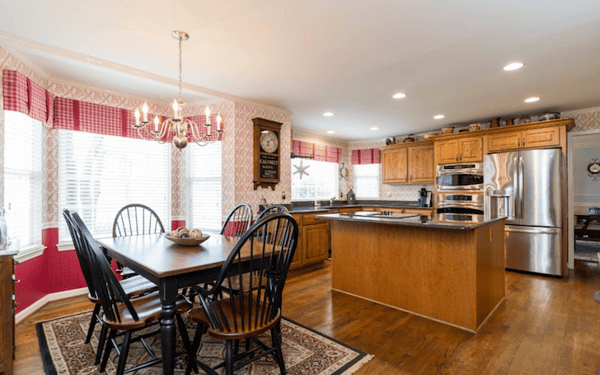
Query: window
(320, 180)
(204, 184)
(366, 180)
(23, 180)
(99, 174)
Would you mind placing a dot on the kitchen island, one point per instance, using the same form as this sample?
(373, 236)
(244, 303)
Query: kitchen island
(448, 268)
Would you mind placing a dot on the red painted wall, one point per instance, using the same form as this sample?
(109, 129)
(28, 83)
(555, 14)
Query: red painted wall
(54, 271)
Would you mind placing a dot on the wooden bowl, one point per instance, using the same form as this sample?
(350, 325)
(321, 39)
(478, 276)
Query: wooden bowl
(188, 241)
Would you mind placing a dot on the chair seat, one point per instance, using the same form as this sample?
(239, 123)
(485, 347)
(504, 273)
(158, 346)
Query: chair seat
(235, 282)
(148, 309)
(240, 332)
(133, 287)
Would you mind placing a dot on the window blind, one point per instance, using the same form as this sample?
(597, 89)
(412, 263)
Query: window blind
(320, 183)
(366, 180)
(23, 179)
(99, 174)
(204, 184)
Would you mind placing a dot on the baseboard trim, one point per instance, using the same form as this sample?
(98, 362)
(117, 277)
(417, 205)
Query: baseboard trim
(22, 315)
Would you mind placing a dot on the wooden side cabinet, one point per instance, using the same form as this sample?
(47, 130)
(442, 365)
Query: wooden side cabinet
(395, 165)
(316, 239)
(404, 164)
(459, 150)
(421, 164)
(544, 137)
(299, 255)
(7, 316)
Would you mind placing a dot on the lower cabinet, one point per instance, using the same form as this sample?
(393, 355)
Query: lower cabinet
(316, 242)
(7, 315)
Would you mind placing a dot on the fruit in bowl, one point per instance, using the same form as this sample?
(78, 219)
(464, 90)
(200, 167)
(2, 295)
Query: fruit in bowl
(186, 237)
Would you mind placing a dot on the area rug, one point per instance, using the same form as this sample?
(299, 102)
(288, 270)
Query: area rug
(305, 351)
(587, 251)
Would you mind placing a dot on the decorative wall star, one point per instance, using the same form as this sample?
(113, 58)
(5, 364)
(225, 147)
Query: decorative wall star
(301, 169)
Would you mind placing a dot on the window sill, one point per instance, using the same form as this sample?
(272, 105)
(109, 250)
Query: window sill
(30, 252)
(65, 246)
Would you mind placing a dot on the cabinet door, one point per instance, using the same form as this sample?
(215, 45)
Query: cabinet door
(316, 242)
(471, 149)
(299, 255)
(447, 152)
(504, 141)
(541, 137)
(395, 165)
(421, 164)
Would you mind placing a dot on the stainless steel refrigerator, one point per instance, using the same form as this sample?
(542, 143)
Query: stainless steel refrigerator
(525, 186)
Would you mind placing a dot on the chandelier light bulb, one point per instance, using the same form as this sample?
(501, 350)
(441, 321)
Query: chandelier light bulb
(145, 111)
(156, 123)
(137, 116)
(207, 113)
(219, 119)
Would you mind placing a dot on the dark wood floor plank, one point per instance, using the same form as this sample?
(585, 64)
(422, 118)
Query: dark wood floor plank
(545, 326)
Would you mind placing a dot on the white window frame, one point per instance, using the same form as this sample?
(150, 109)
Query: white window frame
(65, 242)
(31, 129)
(306, 180)
(363, 171)
(195, 175)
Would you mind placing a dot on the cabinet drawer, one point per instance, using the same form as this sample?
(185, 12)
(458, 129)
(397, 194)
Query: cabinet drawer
(309, 219)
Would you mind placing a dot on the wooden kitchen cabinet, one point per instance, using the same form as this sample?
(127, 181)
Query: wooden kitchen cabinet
(544, 137)
(459, 150)
(7, 315)
(316, 242)
(408, 164)
(299, 255)
(395, 165)
(421, 164)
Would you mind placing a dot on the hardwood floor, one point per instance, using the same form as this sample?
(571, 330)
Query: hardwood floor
(546, 326)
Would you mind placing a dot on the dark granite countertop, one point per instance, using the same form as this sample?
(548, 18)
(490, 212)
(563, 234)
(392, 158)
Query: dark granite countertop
(443, 221)
(325, 206)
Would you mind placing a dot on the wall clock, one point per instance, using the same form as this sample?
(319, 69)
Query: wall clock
(267, 153)
(594, 170)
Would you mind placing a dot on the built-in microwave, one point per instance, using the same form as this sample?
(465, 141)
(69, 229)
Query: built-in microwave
(460, 177)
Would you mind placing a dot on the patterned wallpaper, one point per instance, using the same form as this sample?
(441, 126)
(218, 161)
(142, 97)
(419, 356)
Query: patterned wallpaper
(585, 119)
(243, 159)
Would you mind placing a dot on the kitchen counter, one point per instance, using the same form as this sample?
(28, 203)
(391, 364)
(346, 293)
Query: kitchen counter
(449, 272)
(443, 221)
(361, 204)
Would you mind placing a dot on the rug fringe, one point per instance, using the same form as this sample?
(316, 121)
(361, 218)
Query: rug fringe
(358, 365)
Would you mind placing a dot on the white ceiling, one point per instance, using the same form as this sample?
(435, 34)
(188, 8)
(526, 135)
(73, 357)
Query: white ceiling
(309, 57)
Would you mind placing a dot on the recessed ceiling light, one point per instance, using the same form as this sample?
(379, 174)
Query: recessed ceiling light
(330, 132)
(399, 95)
(513, 66)
(532, 99)
(327, 114)
(438, 117)
(374, 128)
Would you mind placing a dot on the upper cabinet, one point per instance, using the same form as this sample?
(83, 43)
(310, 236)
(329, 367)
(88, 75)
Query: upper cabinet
(544, 137)
(408, 164)
(469, 149)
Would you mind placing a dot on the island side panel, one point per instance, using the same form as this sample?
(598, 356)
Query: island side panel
(491, 254)
(428, 271)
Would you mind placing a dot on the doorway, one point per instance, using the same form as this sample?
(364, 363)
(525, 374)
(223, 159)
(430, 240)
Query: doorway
(584, 193)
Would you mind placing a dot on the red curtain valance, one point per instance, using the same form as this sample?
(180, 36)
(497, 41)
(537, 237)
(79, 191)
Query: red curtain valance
(366, 156)
(22, 95)
(318, 152)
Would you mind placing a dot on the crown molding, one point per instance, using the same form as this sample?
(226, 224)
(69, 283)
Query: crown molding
(105, 64)
(19, 56)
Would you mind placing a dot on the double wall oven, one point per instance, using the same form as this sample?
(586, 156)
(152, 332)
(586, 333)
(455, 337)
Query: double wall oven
(459, 189)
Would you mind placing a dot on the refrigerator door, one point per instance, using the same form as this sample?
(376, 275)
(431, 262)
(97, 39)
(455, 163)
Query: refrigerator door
(534, 249)
(500, 186)
(540, 187)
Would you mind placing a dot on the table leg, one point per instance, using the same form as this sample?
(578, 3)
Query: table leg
(168, 294)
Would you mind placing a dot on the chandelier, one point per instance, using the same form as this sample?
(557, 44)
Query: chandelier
(185, 130)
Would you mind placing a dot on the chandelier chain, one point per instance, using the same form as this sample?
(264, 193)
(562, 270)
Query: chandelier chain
(180, 40)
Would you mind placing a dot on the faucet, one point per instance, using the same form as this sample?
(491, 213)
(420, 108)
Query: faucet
(331, 201)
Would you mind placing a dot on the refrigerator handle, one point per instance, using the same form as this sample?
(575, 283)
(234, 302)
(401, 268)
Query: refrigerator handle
(521, 169)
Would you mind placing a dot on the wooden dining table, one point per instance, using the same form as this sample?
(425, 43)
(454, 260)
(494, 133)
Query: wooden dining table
(171, 267)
